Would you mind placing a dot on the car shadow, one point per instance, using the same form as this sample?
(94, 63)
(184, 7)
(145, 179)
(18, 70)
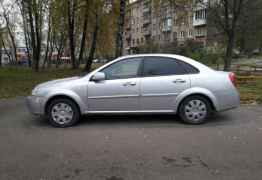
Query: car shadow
(150, 121)
(156, 120)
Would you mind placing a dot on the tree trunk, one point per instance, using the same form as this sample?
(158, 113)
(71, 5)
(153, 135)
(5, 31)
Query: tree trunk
(49, 60)
(13, 43)
(1, 55)
(11, 35)
(26, 33)
(38, 40)
(243, 42)
(1, 47)
(59, 51)
(33, 38)
(47, 40)
(120, 29)
(84, 32)
(28, 50)
(46, 52)
(71, 30)
(58, 58)
(229, 52)
(0, 58)
(6, 52)
(93, 46)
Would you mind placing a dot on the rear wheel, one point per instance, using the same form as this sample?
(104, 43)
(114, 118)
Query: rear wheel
(63, 113)
(195, 110)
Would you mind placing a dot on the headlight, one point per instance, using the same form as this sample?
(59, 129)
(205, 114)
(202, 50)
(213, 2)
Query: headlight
(39, 92)
(34, 92)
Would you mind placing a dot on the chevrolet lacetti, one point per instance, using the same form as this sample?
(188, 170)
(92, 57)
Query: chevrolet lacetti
(151, 83)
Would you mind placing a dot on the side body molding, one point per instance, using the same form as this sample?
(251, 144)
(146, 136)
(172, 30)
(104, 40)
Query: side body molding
(196, 90)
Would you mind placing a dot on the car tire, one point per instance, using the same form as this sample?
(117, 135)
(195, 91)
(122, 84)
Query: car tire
(195, 110)
(63, 113)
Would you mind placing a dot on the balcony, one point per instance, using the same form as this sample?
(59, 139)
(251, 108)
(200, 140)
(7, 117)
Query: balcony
(146, 10)
(146, 20)
(201, 5)
(200, 17)
(146, 31)
(167, 29)
(128, 26)
(128, 36)
(199, 22)
(167, 25)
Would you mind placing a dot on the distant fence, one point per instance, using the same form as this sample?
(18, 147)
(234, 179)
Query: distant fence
(246, 69)
(250, 80)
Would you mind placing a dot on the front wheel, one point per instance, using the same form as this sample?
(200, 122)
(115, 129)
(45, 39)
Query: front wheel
(195, 110)
(63, 113)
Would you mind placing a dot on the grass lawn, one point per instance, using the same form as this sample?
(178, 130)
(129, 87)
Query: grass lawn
(20, 82)
(250, 88)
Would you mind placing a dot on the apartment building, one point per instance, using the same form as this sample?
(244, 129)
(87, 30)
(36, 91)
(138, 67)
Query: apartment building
(147, 22)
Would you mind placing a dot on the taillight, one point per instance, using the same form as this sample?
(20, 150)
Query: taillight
(232, 78)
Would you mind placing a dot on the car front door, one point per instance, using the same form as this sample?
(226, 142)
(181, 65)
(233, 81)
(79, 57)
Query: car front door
(163, 80)
(119, 91)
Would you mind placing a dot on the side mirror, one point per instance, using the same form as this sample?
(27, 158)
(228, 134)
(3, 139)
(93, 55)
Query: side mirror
(99, 76)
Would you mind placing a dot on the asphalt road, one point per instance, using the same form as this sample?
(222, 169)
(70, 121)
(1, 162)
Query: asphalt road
(130, 148)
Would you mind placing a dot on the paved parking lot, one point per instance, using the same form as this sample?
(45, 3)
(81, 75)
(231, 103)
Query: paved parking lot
(130, 148)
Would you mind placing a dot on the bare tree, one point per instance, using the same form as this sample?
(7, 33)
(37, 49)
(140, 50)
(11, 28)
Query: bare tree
(1, 45)
(93, 45)
(71, 13)
(48, 42)
(84, 32)
(120, 28)
(11, 33)
(34, 15)
(25, 27)
(224, 14)
(7, 52)
(249, 31)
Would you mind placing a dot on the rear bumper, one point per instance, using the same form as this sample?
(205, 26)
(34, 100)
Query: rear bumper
(35, 105)
(228, 100)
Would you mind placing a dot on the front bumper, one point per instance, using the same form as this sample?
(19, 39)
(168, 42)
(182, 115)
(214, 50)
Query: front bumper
(35, 104)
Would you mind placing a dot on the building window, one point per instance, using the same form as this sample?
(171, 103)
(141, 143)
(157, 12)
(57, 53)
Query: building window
(167, 24)
(174, 35)
(200, 32)
(190, 33)
(201, 14)
(182, 34)
(167, 37)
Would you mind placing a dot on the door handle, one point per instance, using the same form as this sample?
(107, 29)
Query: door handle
(132, 83)
(179, 81)
(129, 84)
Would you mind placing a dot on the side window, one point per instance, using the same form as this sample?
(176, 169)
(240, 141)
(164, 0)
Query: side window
(123, 69)
(160, 66)
(189, 68)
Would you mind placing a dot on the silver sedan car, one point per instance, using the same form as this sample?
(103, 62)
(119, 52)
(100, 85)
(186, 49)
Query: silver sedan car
(151, 83)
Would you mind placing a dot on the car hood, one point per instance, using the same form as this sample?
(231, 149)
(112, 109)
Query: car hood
(57, 82)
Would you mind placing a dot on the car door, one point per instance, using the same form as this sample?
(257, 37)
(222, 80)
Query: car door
(120, 91)
(163, 80)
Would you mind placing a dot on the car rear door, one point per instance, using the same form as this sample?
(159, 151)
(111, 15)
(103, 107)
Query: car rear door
(163, 79)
